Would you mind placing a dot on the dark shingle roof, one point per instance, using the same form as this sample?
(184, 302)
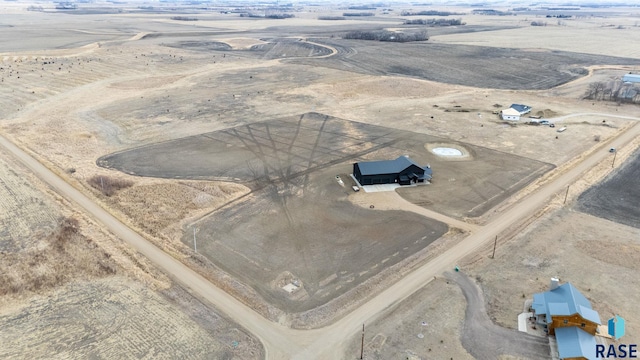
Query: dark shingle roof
(520, 108)
(386, 166)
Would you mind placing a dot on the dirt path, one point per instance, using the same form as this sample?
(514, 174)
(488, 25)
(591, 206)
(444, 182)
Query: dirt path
(391, 200)
(329, 342)
(331, 48)
(485, 340)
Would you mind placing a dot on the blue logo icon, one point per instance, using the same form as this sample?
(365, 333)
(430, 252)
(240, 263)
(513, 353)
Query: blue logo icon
(616, 327)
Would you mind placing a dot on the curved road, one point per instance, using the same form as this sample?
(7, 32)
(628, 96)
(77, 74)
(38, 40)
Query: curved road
(485, 340)
(328, 342)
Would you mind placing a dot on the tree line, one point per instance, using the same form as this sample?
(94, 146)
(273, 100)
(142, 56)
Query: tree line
(268, 16)
(428, 13)
(615, 90)
(358, 14)
(331, 17)
(435, 22)
(385, 35)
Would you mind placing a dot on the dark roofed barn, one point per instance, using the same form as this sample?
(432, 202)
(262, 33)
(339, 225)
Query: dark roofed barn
(401, 170)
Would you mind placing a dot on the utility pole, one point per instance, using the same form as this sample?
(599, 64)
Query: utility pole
(614, 158)
(566, 194)
(362, 344)
(495, 242)
(102, 183)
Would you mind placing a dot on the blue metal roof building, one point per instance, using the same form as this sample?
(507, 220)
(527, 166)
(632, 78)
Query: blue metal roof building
(564, 300)
(575, 343)
(402, 170)
(568, 315)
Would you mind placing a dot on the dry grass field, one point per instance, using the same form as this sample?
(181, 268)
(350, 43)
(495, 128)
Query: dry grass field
(198, 120)
(67, 289)
(26, 214)
(116, 317)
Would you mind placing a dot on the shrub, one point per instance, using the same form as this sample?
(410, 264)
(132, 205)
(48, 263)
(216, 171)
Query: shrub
(108, 185)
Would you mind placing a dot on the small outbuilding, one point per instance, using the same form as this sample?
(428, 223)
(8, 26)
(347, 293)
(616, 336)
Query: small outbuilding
(631, 78)
(402, 170)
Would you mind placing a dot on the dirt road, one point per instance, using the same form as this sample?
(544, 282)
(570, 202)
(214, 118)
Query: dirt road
(562, 118)
(329, 342)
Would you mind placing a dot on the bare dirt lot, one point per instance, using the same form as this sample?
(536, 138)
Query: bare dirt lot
(616, 198)
(273, 237)
(282, 150)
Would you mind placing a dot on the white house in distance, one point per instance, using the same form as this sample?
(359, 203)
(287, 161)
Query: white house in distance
(514, 112)
(510, 114)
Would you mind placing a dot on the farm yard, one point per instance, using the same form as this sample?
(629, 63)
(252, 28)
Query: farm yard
(232, 132)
